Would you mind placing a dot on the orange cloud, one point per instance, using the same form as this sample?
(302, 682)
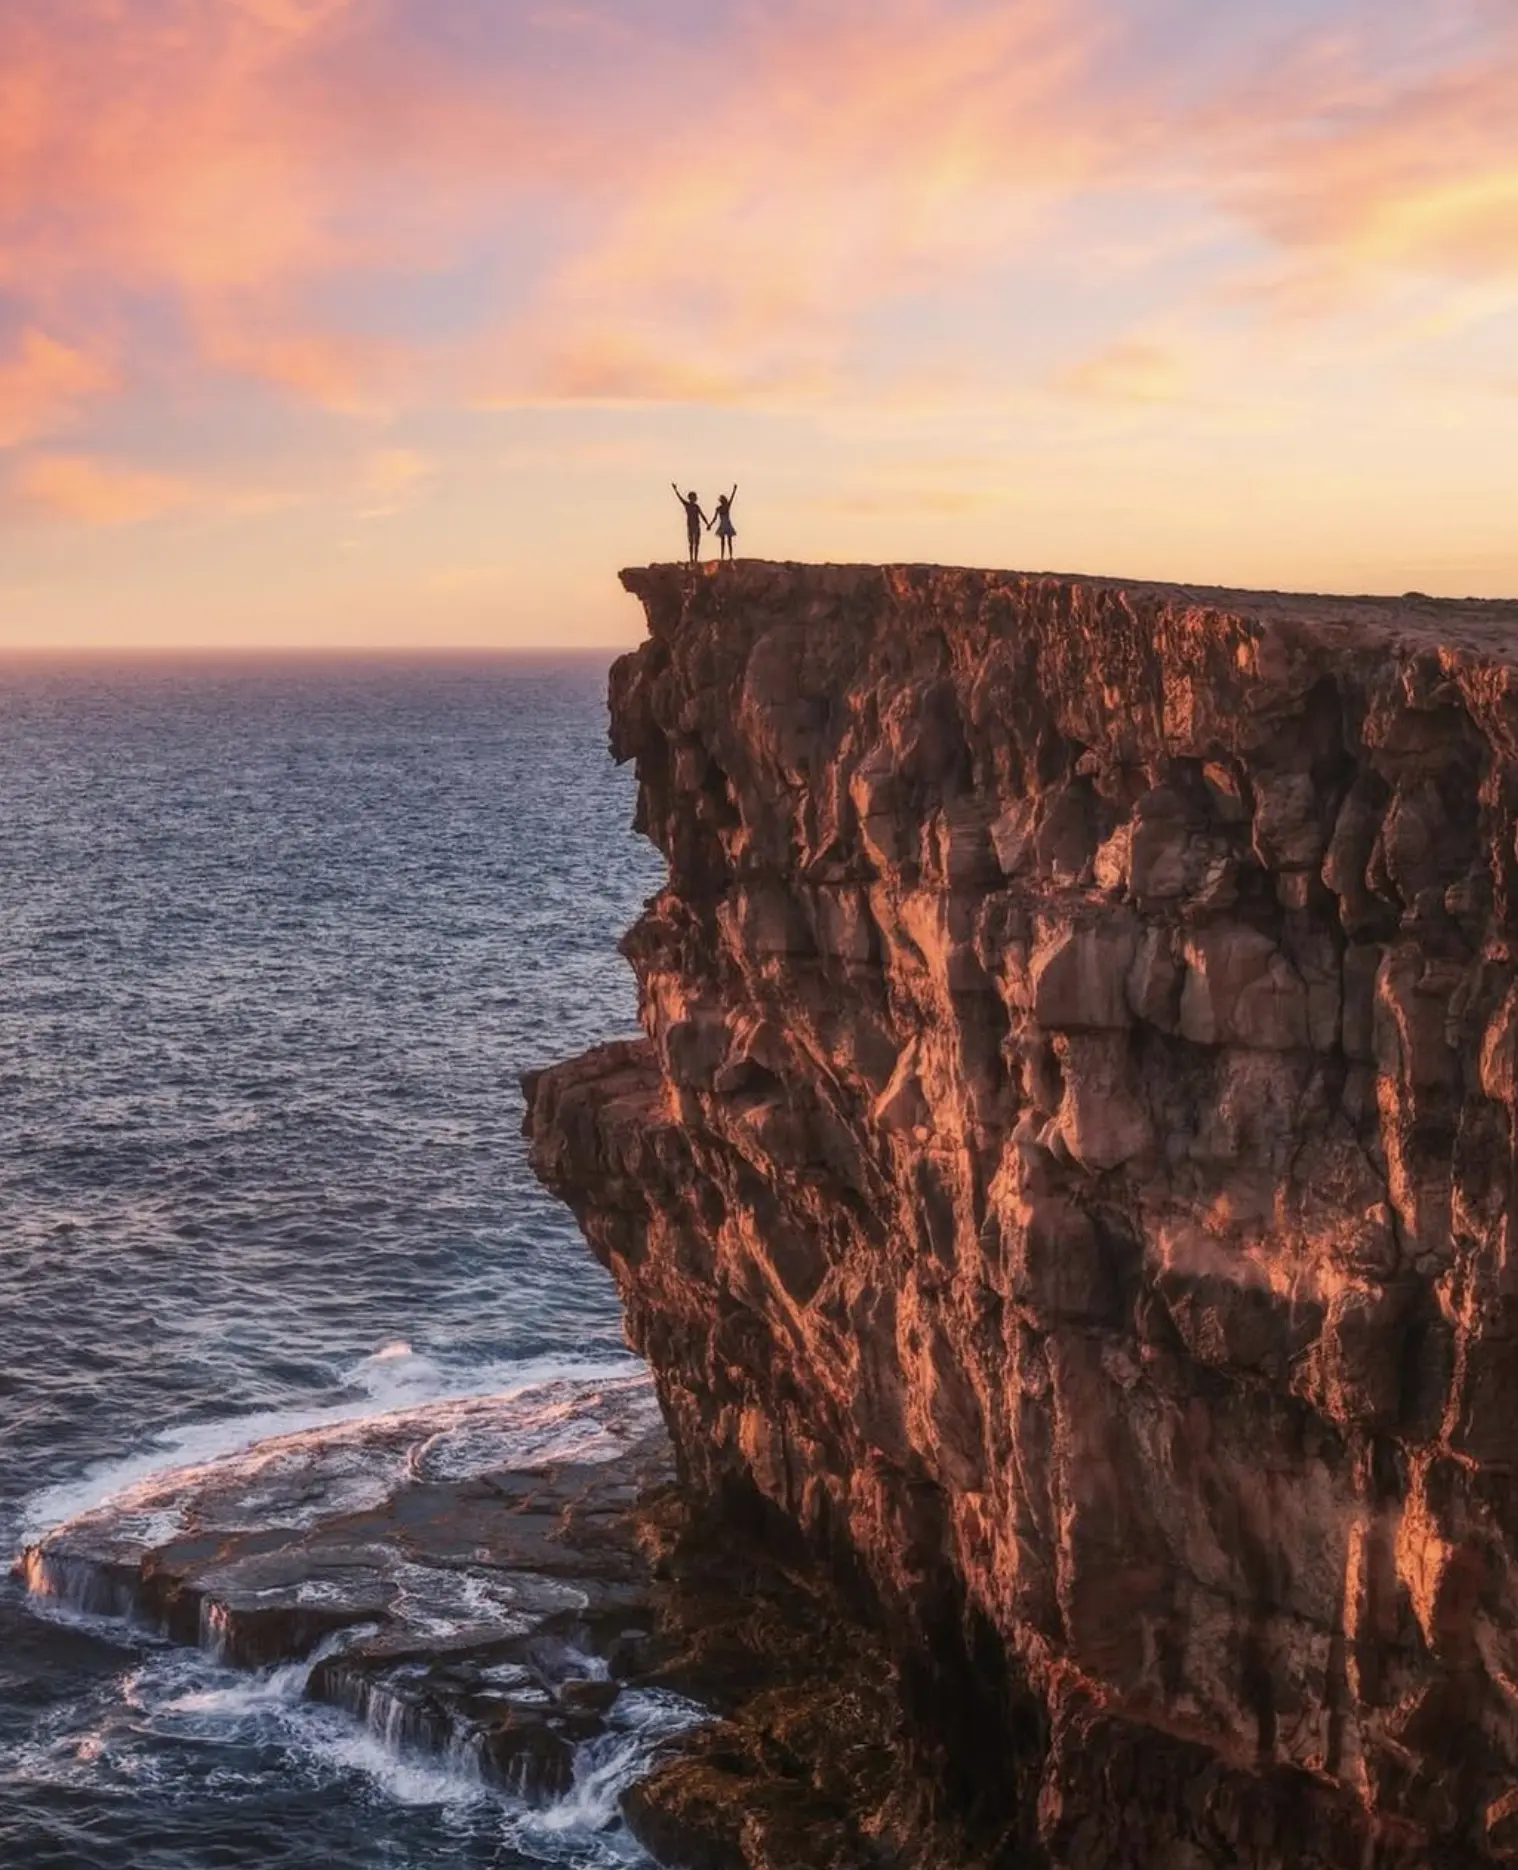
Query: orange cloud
(1360, 173)
(831, 159)
(620, 369)
(723, 218)
(1131, 371)
(390, 478)
(44, 386)
(98, 493)
(393, 471)
(909, 503)
(746, 197)
(129, 146)
(345, 375)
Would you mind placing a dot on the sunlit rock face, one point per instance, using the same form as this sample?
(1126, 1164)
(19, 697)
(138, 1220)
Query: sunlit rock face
(1068, 1176)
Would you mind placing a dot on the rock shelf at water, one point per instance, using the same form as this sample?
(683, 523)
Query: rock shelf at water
(466, 1577)
(513, 1584)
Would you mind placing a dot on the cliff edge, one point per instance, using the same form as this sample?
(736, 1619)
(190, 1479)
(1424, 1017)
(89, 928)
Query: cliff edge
(1067, 1185)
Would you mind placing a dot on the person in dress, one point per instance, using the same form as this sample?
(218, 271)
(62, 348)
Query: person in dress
(722, 522)
(695, 519)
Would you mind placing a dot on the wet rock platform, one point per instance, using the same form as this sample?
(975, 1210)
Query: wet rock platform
(470, 1578)
(515, 1583)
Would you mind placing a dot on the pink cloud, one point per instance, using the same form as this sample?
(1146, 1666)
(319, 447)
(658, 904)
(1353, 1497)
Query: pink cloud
(229, 160)
(820, 163)
(750, 193)
(711, 219)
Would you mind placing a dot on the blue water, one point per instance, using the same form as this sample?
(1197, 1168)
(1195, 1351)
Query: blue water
(274, 946)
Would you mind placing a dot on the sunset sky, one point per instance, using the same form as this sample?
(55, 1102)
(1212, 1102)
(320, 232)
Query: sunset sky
(386, 323)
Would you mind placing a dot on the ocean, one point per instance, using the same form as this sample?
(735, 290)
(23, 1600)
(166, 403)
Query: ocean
(275, 944)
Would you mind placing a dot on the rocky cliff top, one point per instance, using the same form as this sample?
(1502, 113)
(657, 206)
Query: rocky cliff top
(1483, 628)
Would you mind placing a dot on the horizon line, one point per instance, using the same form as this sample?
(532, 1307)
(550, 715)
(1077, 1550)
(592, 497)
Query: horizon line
(209, 656)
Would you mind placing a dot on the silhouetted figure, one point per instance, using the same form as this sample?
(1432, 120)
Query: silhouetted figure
(695, 519)
(722, 523)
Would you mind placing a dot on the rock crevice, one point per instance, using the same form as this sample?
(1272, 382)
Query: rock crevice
(1068, 1176)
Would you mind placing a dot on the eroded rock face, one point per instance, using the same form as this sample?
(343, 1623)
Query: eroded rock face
(1068, 1178)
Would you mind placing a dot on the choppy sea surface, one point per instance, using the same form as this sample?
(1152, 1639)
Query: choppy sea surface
(275, 944)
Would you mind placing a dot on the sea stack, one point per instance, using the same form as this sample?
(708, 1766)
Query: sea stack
(1066, 1188)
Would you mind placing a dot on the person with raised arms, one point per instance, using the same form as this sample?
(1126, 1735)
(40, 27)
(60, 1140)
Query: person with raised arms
(695, 519)
(721, 522)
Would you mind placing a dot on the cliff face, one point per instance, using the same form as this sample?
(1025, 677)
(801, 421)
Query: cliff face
(1069, 1176)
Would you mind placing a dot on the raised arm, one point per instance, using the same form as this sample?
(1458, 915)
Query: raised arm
(678, 495)
(733, 495)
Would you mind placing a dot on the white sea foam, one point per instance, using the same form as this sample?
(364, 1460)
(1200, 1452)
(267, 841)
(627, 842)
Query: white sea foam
(341, 1745)
(392, 1379)
(641, 1723)
(180, 1695)
(195, 1695)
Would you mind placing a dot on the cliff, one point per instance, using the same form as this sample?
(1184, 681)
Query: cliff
(1067, 1184)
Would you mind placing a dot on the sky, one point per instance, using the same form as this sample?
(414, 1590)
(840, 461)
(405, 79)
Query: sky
(385, 324)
